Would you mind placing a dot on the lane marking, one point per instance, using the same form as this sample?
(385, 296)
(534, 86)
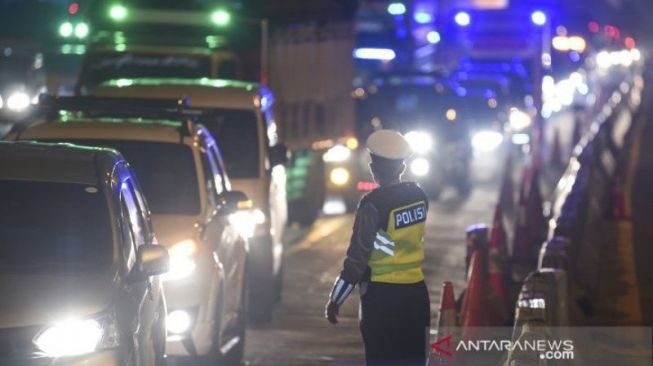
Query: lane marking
(322, 228)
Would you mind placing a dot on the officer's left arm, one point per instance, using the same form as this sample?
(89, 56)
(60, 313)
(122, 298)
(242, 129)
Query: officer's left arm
(358, 254)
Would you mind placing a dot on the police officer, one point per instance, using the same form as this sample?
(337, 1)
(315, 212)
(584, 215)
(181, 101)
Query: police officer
(384, 258)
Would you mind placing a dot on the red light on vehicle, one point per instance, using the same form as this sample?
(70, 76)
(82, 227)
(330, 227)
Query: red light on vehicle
(630, 42)
(73, 8)
(593, 27)
(366, 186)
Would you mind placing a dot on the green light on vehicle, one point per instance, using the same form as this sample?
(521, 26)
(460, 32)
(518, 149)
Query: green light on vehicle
(221, 17)
(81, 30)
(120, 47)
(118, 12)
(66, 29)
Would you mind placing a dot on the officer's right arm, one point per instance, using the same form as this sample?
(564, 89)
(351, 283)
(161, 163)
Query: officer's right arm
(360, 249)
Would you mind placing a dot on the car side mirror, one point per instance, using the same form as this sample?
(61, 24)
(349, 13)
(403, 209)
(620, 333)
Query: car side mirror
(279, 155)
(231, 201)
(152, 259)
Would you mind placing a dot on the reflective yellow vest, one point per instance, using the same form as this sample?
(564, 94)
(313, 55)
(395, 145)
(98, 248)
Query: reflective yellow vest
(399, 244)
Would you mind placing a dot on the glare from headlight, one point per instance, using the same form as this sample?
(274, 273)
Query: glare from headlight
(337, 154)
(519, 120)
(339, 176)
(178, 322)
(487, 141)
(70, 338)
(245, 221)
(420, 167)
(182, 260)
(18, 101)
(521, 139)
(420, 142)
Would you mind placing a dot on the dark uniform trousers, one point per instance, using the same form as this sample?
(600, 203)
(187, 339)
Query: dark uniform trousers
(395, 323)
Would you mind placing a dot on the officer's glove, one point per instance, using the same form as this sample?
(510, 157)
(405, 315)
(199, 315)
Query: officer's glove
(331, 312)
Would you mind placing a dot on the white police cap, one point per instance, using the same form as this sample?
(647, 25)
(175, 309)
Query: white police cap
(389, 144)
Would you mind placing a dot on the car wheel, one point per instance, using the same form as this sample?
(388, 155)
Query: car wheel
(261, 282)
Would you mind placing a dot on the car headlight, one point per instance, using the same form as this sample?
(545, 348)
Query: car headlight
(519, 120)
(70, 338)
(420, 167)
(245, 221)
(337, 154)
(421, 142)
(18, 101)
(486, 141)
(339, 176)
(182, 260)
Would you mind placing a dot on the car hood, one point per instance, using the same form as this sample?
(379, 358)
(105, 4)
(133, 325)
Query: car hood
(37, 299)
(171, 229)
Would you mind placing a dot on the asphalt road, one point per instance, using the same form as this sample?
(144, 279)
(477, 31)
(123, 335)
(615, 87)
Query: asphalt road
(299, 334)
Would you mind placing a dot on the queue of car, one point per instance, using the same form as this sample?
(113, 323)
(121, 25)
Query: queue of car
(218, 240)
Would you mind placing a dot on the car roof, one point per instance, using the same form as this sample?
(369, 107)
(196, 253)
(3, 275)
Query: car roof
(204, 92)
(103, 130)
(56, 162)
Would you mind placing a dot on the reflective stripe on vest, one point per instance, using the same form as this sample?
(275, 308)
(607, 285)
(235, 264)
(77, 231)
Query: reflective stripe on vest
(399, 251)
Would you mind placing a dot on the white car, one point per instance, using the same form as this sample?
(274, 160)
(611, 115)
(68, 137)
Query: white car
(182, 174)
(241, 116)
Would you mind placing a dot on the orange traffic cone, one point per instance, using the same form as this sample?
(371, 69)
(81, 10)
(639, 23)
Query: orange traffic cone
(556, 161)
(441, 353)
(447, 318)
(474, 309)
(507, 193)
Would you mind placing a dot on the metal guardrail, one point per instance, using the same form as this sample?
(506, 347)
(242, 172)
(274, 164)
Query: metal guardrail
(568, 262)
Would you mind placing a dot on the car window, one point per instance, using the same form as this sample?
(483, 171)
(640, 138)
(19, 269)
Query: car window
(128, 240)
(166, 172)
(220, 180)
(238, 134)
(54, 226)
(134, 212)
(210, 173)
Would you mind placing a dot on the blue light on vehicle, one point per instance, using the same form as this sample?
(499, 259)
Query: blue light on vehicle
(397, 9)
(433, 37)
(538, 17)
(382, 54)
(463, 19)
(422, 17)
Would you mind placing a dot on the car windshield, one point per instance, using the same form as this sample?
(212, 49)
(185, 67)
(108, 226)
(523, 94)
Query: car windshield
(54, 226)
(237, 134)
(166, 172)
(102, 67)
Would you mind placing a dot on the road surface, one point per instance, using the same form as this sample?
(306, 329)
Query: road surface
(299, 334)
